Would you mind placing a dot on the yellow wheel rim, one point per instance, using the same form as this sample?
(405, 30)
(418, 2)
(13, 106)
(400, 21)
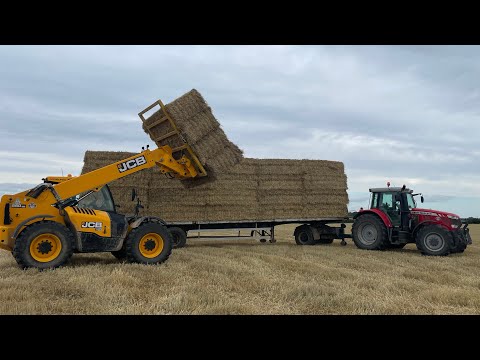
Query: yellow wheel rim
(151, 245)
(45, 247)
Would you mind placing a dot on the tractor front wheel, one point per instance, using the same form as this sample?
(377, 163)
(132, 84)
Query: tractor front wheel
(460, 247)
(369, 233)
(434, 240)
(150, 243)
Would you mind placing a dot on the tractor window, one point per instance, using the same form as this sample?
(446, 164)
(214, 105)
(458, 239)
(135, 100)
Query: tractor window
(388, 203)
(100, 200)
(411, 202)
(374, 203)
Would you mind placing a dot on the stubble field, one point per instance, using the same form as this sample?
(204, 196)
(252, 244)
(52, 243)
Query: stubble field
(247, 277)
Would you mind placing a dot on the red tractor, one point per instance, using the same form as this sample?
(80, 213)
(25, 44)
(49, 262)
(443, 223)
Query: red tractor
(394, 220)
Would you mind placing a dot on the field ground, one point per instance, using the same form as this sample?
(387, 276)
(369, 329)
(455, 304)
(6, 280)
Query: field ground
(247, 277)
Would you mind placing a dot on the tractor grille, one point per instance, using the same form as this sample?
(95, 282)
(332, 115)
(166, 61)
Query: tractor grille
(83, 210)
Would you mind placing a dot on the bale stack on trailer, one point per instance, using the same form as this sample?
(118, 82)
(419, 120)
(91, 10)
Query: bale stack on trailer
(236, 188)
(256, 189)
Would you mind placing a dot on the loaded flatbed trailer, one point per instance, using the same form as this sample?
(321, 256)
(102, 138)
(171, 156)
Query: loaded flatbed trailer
(262, 230)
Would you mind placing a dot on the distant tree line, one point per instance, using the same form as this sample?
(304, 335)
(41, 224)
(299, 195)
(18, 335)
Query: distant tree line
(471, 220)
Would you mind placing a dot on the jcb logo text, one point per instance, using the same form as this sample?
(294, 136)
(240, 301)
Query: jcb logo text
(92, 224)
(130, 164)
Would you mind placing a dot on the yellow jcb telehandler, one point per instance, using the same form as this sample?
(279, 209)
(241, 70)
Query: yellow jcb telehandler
(44, 226)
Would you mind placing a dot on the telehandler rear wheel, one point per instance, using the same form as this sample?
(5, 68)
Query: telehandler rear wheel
(43, 245)
(150, 243)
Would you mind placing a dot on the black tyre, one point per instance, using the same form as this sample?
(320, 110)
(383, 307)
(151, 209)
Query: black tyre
(369, 233)
(120, 254)
(468, 237)
(304, 235)
(395, 246)
(460, 247)
(434, 240)
(150, 243)
(179, 237)
(43, 245)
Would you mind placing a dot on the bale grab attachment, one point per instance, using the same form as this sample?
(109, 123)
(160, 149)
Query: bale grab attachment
(183, 151)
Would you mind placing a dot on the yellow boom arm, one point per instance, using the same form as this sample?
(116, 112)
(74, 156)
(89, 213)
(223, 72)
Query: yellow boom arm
(161, 157)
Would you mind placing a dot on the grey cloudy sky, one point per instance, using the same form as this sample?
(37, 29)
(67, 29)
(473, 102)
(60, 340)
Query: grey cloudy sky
(407, 114)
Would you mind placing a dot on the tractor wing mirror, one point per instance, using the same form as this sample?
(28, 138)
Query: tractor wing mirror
(421, 198)
(134, 194)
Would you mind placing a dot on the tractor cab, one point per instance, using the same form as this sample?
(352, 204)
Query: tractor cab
(395, 203)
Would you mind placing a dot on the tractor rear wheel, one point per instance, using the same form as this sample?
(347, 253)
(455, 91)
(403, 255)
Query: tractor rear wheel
(369, 233)
(179, 237)
(150, 243)
(43, 245)
(434, 240)
(304, 235)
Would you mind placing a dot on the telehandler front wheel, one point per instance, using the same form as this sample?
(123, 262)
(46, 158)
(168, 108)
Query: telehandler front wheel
(43, 245)
(150, 243)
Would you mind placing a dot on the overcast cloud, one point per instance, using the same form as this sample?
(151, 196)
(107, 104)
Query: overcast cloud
(407, 114)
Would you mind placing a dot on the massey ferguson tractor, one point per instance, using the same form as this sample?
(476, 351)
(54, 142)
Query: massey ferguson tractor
(394, 220)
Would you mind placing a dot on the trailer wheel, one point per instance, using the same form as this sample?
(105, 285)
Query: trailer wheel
(150, 243)
(434, 240)
(179, 237)
(304, 235)
(369, 233)
(43, 245)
